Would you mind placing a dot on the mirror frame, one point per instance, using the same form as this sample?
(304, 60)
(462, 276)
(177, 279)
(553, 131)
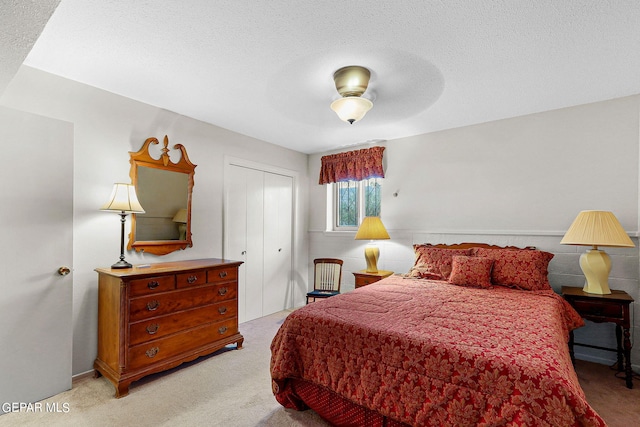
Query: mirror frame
(143, 158)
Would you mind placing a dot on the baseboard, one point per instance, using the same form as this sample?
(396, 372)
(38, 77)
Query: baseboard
(82, 375)
(602, 361)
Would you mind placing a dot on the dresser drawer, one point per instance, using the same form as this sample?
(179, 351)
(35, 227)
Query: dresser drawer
(597, 309)
(225, 291)
(164, 348)
(193, 278)
(158, 327)
(221, 274)
(152, 285)
(169, 302)
(364, 281)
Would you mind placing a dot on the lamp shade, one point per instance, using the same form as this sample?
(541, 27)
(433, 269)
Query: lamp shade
(180, 216)
(123, 199)
(372, 229)
(351, 108)
(596, 228)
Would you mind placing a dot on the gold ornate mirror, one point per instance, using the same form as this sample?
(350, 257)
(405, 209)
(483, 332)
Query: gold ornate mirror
(164, 190)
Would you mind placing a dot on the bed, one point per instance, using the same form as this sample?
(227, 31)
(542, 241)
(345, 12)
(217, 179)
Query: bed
(472, 335)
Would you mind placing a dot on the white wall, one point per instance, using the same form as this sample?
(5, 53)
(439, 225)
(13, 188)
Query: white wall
(108, 126)
(518, 181)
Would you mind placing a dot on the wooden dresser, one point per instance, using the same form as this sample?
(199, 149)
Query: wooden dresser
(154, 318)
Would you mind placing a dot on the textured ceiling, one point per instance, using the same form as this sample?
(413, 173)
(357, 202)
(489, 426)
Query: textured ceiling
(21, 22)
(264, 68)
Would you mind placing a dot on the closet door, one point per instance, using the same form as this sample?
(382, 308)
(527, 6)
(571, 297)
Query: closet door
(244, 236)
(258, 231)
(255, 244)
(278, 205)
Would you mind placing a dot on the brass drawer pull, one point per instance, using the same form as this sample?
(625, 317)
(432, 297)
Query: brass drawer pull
(222, 330)
(152, 352)
(192, 279)
(222, 310)
(222, 291)
(153, 284)
(153, 328)
(153, 305)
(223, 274)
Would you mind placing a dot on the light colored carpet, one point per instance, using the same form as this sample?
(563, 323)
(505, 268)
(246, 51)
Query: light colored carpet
(607, 393)
(233, 388)
(230, 388)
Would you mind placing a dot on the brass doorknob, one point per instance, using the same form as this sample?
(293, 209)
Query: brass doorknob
(64, 270)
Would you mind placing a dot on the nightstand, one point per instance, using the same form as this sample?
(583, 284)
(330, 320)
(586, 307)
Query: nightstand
(363, 278)
(612, 308)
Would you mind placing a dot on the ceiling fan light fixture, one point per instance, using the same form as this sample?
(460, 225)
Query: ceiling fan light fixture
(351, 108)
(351, 82)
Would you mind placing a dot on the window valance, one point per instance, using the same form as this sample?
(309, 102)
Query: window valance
(352, 165)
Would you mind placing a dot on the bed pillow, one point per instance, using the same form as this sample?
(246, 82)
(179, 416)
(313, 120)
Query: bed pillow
(434, 263)
(525, 269)
(471, 271)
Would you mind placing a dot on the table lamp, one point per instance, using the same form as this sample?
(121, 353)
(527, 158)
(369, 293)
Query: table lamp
(596, 228)
(181, 218)
(372, 229)
(123, 200)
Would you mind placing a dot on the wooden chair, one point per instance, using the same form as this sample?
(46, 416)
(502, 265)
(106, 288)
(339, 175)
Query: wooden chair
(327, 278)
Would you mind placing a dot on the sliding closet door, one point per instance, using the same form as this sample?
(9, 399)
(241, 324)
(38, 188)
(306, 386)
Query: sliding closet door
(244, 236)
(254, 259)
(278, 204)
(258, 231)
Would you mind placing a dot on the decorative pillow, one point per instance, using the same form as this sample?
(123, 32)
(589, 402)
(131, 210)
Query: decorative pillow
(519, 268)
(471, 271)
(423, 273)
(434, 263)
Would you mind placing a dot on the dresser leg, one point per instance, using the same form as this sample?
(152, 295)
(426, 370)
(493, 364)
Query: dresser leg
(122, 389)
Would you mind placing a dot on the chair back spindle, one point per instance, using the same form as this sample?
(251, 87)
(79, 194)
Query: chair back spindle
(328, 276)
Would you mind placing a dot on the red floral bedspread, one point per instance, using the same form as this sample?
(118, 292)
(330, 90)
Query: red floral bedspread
(429, 353)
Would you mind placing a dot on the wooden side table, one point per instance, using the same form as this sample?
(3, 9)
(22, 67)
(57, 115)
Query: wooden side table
(363, 278)
(612, 308)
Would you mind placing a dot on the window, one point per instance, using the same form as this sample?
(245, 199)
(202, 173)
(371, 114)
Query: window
(353, 200)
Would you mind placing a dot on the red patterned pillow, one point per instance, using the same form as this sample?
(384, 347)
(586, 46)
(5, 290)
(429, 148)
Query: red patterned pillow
(471, 271)
(520, 268)
(434, 263)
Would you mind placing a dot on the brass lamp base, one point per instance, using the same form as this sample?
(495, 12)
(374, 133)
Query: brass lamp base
(596, 266)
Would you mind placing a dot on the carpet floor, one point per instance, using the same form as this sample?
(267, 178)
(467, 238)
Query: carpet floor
(233, 388)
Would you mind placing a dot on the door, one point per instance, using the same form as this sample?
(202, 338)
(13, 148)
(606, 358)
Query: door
(36, 182)
(244, 236)
(258, 231)
(276, 288)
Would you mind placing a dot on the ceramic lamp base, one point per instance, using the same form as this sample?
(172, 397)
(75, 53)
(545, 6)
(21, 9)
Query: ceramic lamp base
(596, 266)
(371, 254)
(182, 230)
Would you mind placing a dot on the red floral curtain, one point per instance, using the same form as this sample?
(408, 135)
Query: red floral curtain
(352, 165)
